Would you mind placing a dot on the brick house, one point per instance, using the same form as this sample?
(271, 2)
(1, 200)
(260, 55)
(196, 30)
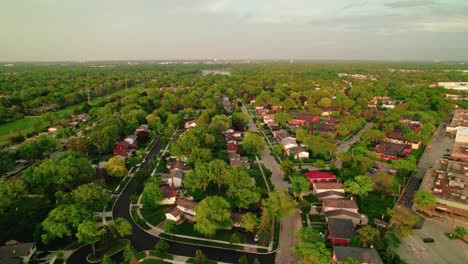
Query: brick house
(304, 119)
(392, 151)
(323, 129)
(320, 176)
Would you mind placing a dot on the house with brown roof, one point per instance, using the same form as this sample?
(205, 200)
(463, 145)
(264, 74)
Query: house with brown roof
(357, 218)
(169, 194)
(281, 134)
(187, 206)
(392, 151)
(323, 129)
(330, 195)
(304, 119)
(298, 152)
(319, 187)
(336, 204)
(340, 231)
(174, 214)
(361, 255)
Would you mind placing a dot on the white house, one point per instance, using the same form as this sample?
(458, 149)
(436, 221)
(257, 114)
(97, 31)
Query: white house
(289, 142)
(131, 139)
(174, 214)
(169, 194)
(320, 187)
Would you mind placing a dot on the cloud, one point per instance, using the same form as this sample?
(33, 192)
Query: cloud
(355, 5)
(409, 3)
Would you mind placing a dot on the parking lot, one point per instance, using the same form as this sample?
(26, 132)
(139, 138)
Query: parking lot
(443, 250)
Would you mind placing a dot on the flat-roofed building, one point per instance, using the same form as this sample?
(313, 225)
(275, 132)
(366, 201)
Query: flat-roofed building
(459, 120)
(446, 181)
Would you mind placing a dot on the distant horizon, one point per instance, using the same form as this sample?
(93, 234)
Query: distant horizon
(378, 30)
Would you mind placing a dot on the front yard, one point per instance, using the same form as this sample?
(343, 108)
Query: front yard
(374, 205)
(156, 215)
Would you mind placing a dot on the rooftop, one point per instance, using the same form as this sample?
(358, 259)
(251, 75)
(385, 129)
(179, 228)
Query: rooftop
(446, 181)
(460, 118)
(323, 127)
(328, 185)
(319, 175)
(460, 152)
(341, 228)
(187, 204)
(350, 204)
(340, 212)
(390, 148)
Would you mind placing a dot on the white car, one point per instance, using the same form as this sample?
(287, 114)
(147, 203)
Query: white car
(256, 238)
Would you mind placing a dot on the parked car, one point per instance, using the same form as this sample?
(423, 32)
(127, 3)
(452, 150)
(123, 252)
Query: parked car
(428, 240)
(392, 171)
(372, 170)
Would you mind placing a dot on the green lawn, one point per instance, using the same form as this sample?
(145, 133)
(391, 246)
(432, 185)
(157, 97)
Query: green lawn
(154, 216)
(116, 246)
(317, 218)
(24, 125)
(187, 229)
(257, 175)
(374, 205)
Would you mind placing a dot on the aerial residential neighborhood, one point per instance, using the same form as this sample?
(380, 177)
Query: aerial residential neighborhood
(234, 132)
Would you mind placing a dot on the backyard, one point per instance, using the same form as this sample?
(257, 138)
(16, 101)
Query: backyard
(375, 205)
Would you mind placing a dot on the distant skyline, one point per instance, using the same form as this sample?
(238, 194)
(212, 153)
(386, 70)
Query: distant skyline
(57, 30)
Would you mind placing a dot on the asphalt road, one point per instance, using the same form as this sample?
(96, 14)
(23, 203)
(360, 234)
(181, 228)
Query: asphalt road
(141, 240)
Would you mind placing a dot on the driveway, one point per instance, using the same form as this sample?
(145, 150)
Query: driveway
(443, 250)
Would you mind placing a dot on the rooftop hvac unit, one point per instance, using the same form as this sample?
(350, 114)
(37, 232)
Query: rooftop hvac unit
(438, 182)
(463, 197)
(437, 190)
(455, 194)
(441, 176)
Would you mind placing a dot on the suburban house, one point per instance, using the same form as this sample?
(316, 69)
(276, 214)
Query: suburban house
(15, 253)
(320, 176)
(335, 204)
(142, 133)
(174, 214)
(174, 178)
(304, 119)
(132, 140)
(327, 111)
(289, 142)
(320, 187)
(281, 134)
(187, 207)
(330, 195)
(396, 136)
(361, 255)
(232, 147)
(235, 160)
(392, 151)
(233, 136)
(169, 194)
(268, 118)
(260, 110)
(177, 165)
(190, 124)
(124, 149)
(273, 125)
(298, 152)
(340, 231)
(357, 218)
(323, 129)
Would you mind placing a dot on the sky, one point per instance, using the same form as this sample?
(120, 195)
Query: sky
(49, 30)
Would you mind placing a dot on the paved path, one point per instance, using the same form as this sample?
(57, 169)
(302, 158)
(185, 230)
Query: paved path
(289, 226)
(345, 145)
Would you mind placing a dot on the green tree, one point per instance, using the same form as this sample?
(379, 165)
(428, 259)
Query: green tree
(287, 167)
(199, 156)
(253, 143)
(424, 200)
(304, 205)
(300, 185)
(369, 236)
(402, 220)
(241, 191)
(249, 222)
(10, 194)
(185, 144)
(115, 166)
(311, 246)
(63, 221)
(169, 226)
(319, 164)
(89, 232)
(152, 195)
(361, 185)
(128, 253)
(280, 204)
(92, 196)
(264, 227)
(220, 123)
(161, 248)
(198, 178)
(277, 150)
(282, 118)
(218, 172)
(212, 213)
(120, 227)
(372, 136)
(383, 182)
(406, 166)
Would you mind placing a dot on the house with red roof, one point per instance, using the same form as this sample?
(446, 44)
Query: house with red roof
(304, 119)
(320, 176)
(122, 149)
(232, 147)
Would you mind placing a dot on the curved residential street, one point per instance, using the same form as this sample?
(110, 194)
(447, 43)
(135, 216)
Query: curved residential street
(141, 240)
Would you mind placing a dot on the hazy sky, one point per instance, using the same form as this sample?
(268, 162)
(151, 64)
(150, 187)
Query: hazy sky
(233, 29)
